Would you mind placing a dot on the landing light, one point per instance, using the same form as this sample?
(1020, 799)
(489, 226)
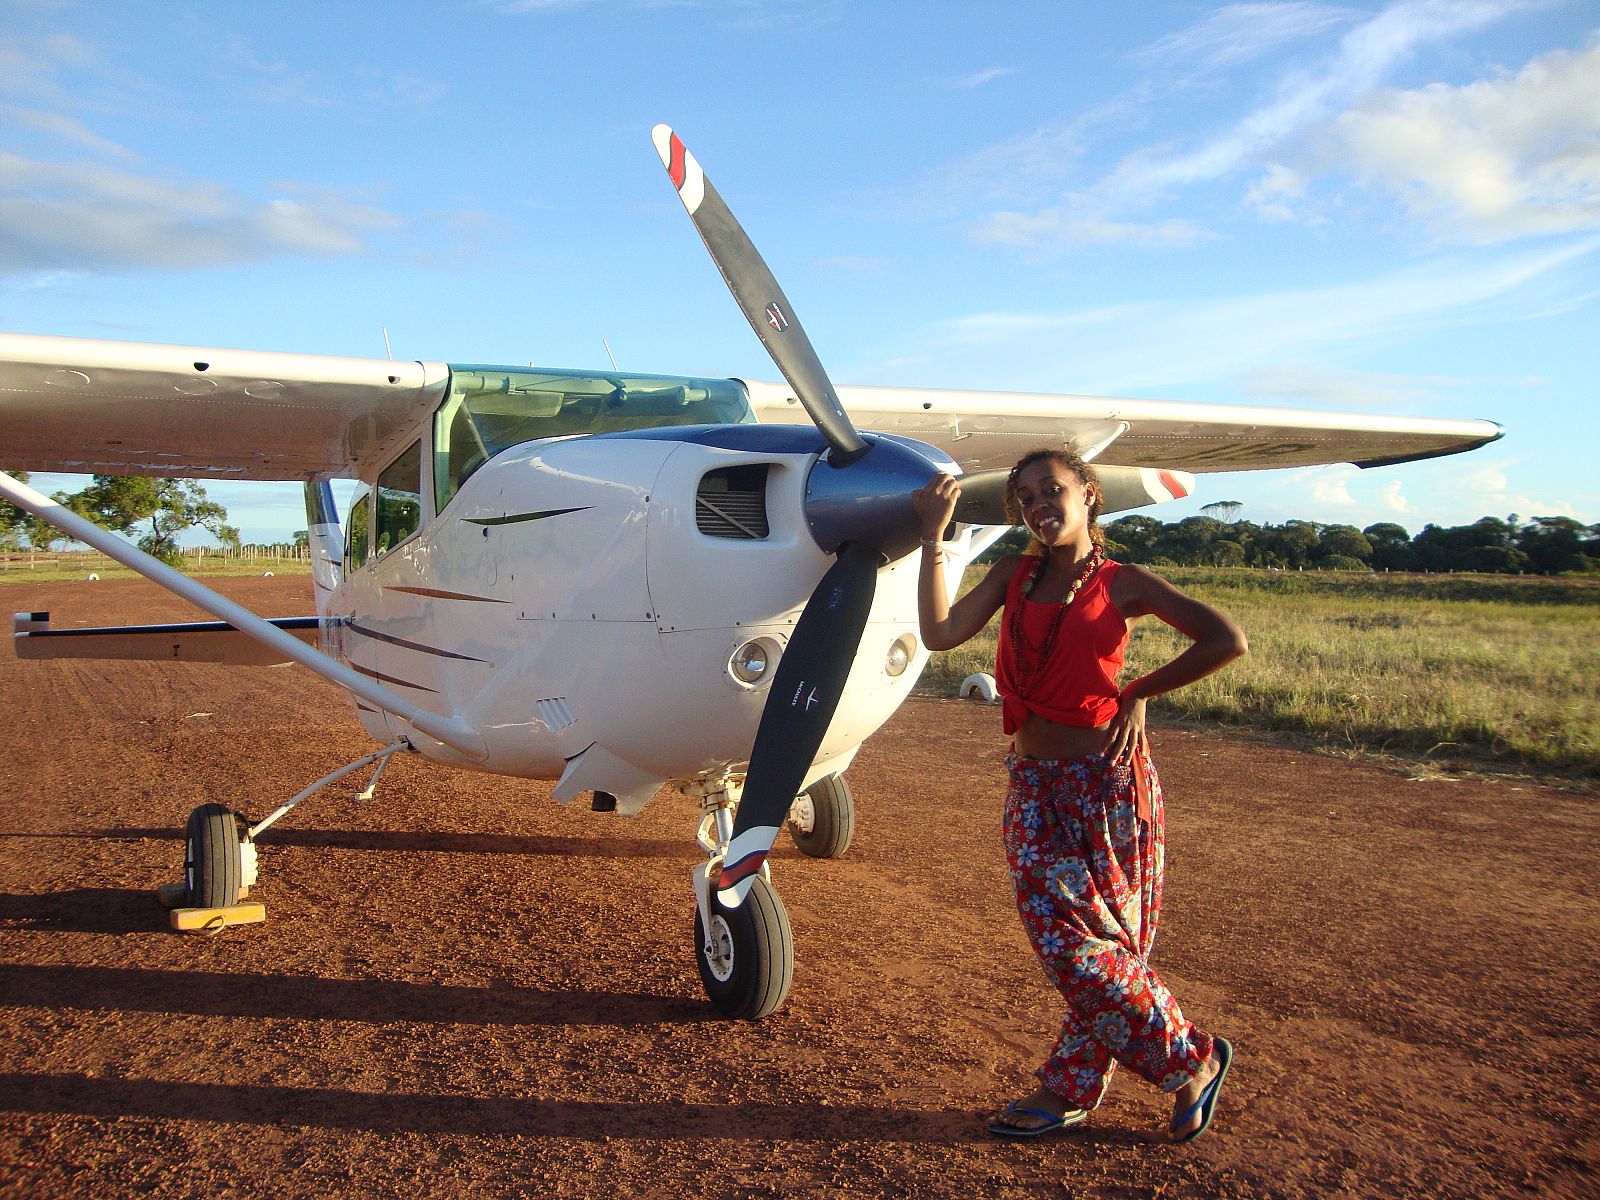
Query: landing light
(753, 662)
(900, 655)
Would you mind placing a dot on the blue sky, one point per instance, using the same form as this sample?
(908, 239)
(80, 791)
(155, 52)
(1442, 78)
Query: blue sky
(1384, 207)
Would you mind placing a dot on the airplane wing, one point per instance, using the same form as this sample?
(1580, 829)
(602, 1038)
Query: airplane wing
(86, 406)
(987, 430)
(89, 407)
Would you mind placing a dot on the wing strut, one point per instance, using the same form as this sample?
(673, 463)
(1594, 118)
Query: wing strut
(452, 731)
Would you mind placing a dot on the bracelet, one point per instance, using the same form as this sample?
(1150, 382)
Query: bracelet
(933, 543)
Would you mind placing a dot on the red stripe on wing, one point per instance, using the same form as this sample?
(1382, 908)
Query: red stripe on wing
(1170, 482)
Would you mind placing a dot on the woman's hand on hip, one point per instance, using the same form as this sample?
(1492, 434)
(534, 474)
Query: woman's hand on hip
(1125, 734)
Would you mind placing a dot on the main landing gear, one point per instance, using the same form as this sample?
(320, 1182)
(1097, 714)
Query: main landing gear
(215, 871)
(219, 849)
(823, 818)
(745, 955)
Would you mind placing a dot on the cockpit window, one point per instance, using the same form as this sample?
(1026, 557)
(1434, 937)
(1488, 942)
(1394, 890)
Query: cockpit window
(400, 499)
(490, 409)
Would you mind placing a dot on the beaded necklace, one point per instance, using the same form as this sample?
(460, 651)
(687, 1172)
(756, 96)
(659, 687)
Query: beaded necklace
(1019, 640)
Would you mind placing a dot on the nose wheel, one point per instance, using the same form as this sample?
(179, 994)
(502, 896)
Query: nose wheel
(746, 954)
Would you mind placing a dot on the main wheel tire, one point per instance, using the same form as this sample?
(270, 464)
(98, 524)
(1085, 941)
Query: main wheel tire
(213, 867)
(746, 959)
(822, 819)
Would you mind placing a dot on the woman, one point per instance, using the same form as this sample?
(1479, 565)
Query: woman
(1083, 817)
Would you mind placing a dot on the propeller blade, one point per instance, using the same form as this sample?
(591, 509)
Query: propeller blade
(1123, 488)
(805, 692)
(760, 298)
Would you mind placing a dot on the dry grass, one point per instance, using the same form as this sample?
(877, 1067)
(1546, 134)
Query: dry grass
(1478, 668)
(59, 568)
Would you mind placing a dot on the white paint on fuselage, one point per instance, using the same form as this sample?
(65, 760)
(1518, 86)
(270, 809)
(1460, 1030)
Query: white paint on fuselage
(615, 604)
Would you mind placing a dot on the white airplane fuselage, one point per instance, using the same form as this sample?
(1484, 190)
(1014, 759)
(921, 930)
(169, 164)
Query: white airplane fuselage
(569, 605)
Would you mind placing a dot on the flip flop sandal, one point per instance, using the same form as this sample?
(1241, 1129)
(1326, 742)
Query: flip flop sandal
(1053, 1122)
(1206, 1106)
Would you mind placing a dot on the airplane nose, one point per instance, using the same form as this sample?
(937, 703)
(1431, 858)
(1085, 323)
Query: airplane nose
(869, 501)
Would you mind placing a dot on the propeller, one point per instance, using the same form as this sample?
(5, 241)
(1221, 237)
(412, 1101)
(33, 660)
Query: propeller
(858, 506)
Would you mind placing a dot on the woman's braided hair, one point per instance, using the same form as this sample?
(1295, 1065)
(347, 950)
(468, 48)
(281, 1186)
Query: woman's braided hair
(1085, 475)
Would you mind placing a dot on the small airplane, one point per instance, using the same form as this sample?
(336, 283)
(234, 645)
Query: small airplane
(615, 581)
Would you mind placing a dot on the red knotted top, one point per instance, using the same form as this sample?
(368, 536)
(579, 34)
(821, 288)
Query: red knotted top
(1078, 686)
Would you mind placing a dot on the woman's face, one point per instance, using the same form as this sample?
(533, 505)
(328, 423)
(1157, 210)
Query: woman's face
(1053, 501)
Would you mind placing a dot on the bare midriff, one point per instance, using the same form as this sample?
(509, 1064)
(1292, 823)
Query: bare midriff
(1041, 738)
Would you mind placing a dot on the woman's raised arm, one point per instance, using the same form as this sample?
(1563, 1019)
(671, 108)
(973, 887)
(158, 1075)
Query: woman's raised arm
(945, 625)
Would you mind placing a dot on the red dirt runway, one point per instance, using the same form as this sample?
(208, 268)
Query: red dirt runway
(464, 990)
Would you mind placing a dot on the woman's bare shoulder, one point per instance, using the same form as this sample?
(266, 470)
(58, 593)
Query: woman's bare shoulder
(1006, 567)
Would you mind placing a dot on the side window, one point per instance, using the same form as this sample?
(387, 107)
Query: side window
(358, 530)
(399, 499)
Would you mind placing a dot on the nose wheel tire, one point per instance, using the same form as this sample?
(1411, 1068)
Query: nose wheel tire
(213, 865)
(823, 818)
(746, 957)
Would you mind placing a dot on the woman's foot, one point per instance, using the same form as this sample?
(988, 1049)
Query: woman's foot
(1194, 1104)
(1037, 1114)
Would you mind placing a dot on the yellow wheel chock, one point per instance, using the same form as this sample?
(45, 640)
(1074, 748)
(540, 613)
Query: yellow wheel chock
(207, 920)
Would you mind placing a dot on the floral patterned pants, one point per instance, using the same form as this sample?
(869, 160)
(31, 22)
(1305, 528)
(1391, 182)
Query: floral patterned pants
(1087, 873)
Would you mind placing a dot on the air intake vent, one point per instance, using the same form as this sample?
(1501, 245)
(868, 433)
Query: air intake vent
(732, 502)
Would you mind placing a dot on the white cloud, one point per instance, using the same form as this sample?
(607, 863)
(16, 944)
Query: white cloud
(1027, 169)
(980, 78)
(1304, 98)
(57, 127)
(1489, 487)
(1276, 195)
(1334, 490)
(1486, 476)
(1492, 160)
(1391, 499)
(28, 66)
(1212, 339)
(1307, 96)
(57, 216)
(1055, 229)
(1308, 385)
(1239, 33)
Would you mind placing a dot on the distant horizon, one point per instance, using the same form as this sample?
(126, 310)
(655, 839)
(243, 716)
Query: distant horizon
(195, 538)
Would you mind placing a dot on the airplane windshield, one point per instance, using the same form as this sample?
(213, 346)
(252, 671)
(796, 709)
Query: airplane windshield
(490, 409)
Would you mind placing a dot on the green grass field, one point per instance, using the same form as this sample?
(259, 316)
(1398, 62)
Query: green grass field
(1455, 669)
(58, 568)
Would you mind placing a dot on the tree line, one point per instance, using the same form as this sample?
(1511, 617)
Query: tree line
(155, 511)
(151, 511)
(1513, 546)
